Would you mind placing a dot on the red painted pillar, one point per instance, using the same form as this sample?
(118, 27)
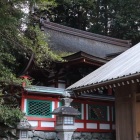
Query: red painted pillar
(25, 77)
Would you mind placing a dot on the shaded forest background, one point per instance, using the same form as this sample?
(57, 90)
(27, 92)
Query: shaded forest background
(115, 18)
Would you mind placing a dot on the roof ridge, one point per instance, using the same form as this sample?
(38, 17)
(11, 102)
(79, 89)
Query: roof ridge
(102, 38)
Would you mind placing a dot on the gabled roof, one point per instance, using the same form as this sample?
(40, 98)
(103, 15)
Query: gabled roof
(66, 39)
(125, 66)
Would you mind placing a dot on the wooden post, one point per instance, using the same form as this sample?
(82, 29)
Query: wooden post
(125, 122)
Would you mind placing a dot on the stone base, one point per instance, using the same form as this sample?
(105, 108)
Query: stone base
(93, 136)
(64, 135)
(40, 135)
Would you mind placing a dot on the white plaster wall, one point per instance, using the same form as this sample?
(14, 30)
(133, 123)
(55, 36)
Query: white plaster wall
(79, 125)
(34, 123)
(47, 124)
(92, 125)
(104, 126)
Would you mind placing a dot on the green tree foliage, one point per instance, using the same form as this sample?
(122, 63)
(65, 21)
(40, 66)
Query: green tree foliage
(115, 18)
(20, 37)
(9, 118)
(125, 21)
(73, 13)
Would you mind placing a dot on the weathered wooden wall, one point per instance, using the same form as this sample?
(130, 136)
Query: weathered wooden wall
(138, 117)
(125, 105)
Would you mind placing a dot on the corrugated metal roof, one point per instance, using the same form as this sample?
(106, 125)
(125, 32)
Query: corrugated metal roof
(126, 64)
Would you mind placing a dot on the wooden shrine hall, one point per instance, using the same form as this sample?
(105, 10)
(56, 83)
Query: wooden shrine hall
(122, 74)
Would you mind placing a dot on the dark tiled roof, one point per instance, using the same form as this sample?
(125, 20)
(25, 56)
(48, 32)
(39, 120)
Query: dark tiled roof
(66, 39)
(85, 34)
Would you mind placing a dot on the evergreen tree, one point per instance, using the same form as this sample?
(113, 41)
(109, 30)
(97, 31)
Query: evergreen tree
(125, 20)
(115, 18)
(20, 37)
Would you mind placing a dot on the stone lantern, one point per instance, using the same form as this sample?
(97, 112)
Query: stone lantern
(65, 120)
(22, 129)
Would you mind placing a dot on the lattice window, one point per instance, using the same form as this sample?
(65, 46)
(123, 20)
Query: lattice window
(77, 105)
(39, 108)
(97, 112)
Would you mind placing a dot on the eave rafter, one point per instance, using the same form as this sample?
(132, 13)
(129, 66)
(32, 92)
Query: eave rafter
(101, 86)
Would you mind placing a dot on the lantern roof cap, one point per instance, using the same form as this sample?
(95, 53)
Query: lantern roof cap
(66, 110)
